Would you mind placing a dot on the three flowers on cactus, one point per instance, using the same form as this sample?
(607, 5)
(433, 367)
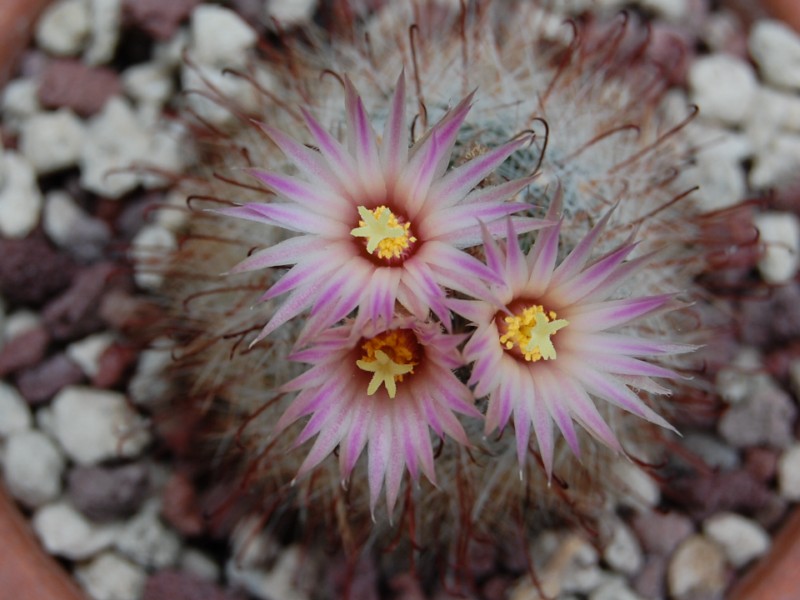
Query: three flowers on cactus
(379, 268)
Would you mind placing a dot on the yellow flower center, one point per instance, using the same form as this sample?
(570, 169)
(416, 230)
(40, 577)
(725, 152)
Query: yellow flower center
(530, 331)
(383, 232)
(388, 357)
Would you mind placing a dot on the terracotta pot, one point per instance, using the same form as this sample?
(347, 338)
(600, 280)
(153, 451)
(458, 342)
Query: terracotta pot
(16, 22)
(26, 570)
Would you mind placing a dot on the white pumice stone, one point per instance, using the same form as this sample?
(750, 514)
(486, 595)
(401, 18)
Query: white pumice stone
(289, 12)
(775, 48)
(614, 588)
(15, 416)
(740, 538)
(147, 542)
(86, 353)
(779, 232)
(723, 86)
(65, 532)
(110, 576)
(279, 582)
(106, 16)
(20, 101)
(96, 425)
(52, 141)
(622, 552)
(671, 10)
(641, 491)
(148, 246)
(220, 38)
(19, 322)
(789, 474)
(20, 198)
(148, 83)
(200, 564)
(33, 465)
(64, 27)
(73, 229)
(776, 162)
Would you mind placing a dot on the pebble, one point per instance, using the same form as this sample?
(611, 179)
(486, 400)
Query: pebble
(73, 229)
(64, 27)
(115, 141)
(614, 588)
(650, 581)
(20, 198)
(622, 551)
(180, 585)
(73, 313)
(789, 474)
(148, 83)
(660, 533)
(724, 183)
(32, 466)
(742, 377)
(148, 385)
(160, 19)
(764, 418)
(779, 232)
(146, 541)
(105, 25)
(87, 352)
(289, 13)
(723, 87)
(741, 539)
(24, 350)
(714, 452)
(180, 507)
(31, 271)
(149, 247)
(638, 489)
(19, 102)
(696, 570)
(777, 162)
(96, 425)
(108, 493)
(41, 382)
(16, 416)
(72, 84)
(63, 531)
(671, 10)
(279, 582)
(109, 576)
(220, 38)
(199, 564)
(775, 48)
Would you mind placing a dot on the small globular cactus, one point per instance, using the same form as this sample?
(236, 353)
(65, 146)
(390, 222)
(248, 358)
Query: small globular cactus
(506, 258)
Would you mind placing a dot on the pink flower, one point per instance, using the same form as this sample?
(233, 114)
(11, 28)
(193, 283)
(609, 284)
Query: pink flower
(552, 350)
(379, 222)
(384, 388)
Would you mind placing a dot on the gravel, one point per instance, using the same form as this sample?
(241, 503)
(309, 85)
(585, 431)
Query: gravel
(88, 107)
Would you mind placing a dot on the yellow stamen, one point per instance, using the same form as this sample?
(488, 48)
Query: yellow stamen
(388, 356)
(530, 331)
(384, 232)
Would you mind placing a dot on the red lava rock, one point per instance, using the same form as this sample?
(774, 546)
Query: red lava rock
(180, 507)
(180, 585)
(126, 313)
(74, 313)
(761, 463)
(661, 533)
(71, 84)
(40, 383)
(760, 328)
(704, 495)
(108, 493)
(24, 350)
(649, 582)
(31, 271)
(406, 587)
(112, 365)
(158, 18)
